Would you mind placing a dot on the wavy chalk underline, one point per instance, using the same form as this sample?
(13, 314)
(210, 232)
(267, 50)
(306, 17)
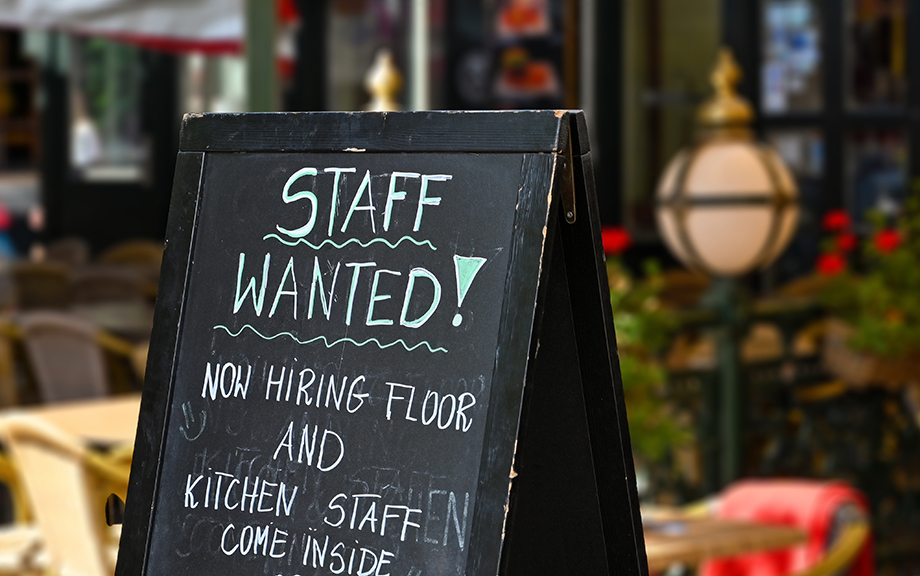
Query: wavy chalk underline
(328, 242)
(328, 344)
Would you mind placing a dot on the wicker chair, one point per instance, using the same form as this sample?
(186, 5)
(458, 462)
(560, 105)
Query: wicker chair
(63, 481)
(65, 356)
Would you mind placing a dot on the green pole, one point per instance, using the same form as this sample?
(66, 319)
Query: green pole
(261, 80)
(726, 298)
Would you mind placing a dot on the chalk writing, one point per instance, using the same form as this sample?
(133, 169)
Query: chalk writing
(331, 343)
(335, 343)
(327, 242)
(193, 426)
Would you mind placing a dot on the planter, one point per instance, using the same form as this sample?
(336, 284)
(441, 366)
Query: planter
(864, 368)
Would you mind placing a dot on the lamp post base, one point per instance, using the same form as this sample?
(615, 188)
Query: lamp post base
(729, 301)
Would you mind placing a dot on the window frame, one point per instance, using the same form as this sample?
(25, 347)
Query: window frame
(743, 33)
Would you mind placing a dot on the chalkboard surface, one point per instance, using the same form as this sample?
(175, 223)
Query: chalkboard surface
(343, 336)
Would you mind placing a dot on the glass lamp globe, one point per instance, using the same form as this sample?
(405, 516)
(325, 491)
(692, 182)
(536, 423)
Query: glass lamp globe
(727, 204)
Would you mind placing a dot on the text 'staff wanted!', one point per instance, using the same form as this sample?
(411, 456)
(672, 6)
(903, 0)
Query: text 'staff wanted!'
(332, 396)
(367, 325)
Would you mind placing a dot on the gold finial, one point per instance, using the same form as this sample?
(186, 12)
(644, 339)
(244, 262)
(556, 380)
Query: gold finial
(384, 82)
(725, 109)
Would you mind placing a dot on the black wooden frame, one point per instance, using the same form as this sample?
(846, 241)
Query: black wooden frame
(557, 158)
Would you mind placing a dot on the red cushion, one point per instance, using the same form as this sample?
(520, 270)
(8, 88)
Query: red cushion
(809, 505)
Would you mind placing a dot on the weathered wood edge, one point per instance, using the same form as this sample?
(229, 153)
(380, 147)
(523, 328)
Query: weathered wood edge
(511, 358)
(150, 439)
(430, 131)
(553, 369)
(579, 132)
(603, 388)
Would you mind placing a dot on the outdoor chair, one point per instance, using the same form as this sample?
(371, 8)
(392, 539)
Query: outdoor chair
(107, 284)
(833, 514)
(21, 551)
(41, 285)
(65, 356)
(71, 251)
(9, 384)
(64, 483)
(143, 256)
(114, 299)
(138, 252)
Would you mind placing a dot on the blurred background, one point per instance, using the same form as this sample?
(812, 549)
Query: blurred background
(758, 176)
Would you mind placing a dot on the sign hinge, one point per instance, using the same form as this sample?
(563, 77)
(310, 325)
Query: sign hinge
(568, 184)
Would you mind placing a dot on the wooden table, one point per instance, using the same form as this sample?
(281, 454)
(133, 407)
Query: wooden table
(111, 420)
(690, 541)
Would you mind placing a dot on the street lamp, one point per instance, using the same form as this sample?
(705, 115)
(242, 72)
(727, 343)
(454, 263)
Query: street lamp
(727, 205)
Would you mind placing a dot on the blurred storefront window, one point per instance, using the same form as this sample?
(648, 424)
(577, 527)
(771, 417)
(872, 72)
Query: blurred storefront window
(110, 119)
(669, 49)
(19, 134)
(791, 73)
(501, 54)
(832, 95)
(528, 54)
(876, 58)
(213, 83)
(803, 151)
(107, 142)
(876, 162)
(20, 137)
(357, 29)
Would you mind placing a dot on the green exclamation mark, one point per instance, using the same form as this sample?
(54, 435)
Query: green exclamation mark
(466, 267)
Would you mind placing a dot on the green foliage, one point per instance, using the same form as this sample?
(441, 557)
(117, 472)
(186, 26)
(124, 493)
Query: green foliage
(643, 330)
(639, 318)
(883, 303)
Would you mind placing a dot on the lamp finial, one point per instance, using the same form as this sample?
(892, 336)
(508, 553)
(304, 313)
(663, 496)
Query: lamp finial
(726, 109)
(384, 82)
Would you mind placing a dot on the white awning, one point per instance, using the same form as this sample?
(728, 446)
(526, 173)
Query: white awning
(209, 25)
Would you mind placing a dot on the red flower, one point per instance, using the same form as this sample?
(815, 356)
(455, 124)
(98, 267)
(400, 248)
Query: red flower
(847, 242)
(836, 221)
(831, 263)
(616, 240)
(887, 240)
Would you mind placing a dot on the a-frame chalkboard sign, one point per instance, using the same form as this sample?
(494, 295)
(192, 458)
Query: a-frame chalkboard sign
(383, 345)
